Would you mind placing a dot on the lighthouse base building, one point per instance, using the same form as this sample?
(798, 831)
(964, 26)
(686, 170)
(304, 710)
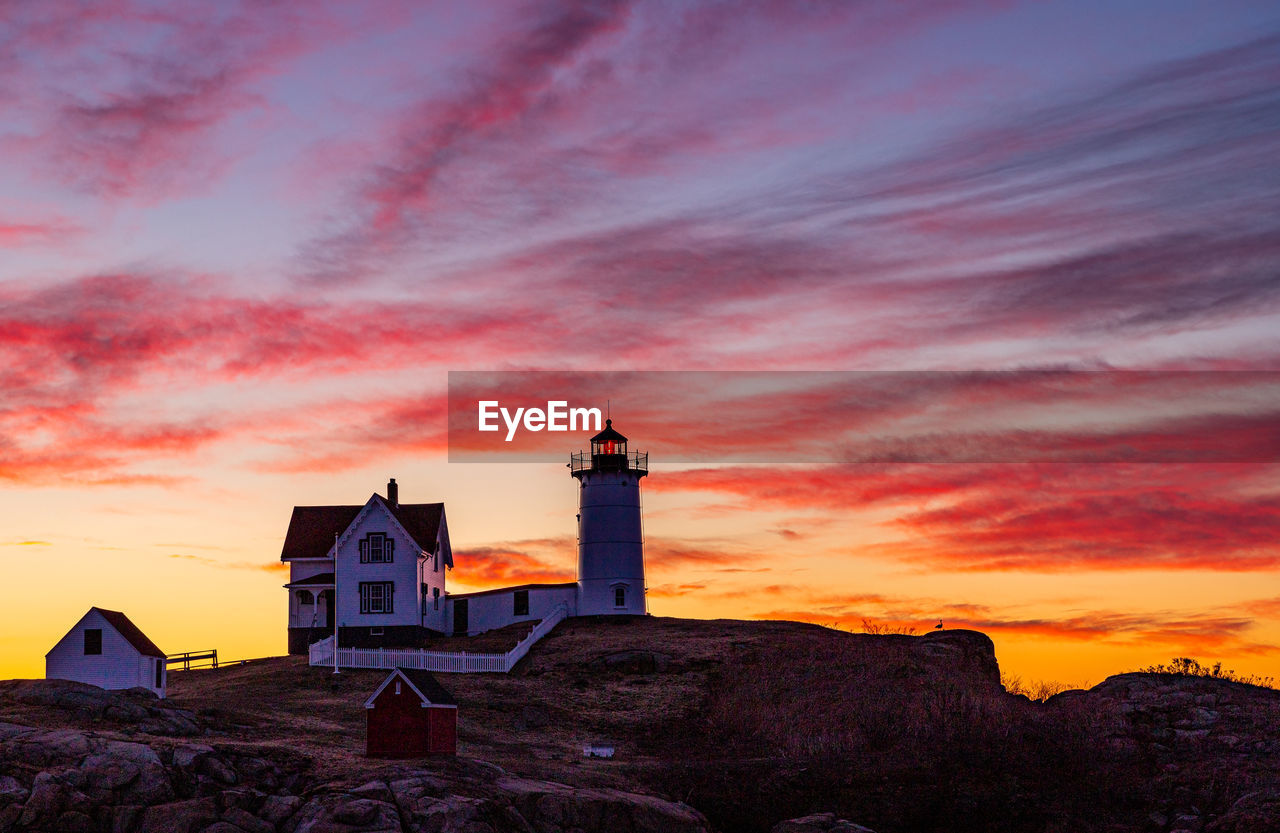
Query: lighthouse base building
(376, 572)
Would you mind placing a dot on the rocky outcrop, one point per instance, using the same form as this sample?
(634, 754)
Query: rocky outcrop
(1212, 745)
(819, 823)
(967, 652)
(137, 707)
(78, 781)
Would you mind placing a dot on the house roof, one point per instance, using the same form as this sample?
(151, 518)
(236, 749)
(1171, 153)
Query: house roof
(424, 684)
(312, 528)
(132, 634)
(323, 579)
(512, 589)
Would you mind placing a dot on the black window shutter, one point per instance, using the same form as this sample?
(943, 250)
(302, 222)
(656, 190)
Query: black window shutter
(391, 547)
(364, 550)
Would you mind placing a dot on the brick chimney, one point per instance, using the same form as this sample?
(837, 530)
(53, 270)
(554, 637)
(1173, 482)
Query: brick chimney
(393, 492)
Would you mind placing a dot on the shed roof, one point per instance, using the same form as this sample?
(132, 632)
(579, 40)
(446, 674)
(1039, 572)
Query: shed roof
(424, 684)
(131, 632)
(312, 528)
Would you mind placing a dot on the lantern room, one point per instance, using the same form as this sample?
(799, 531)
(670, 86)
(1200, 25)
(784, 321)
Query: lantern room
(608, 453)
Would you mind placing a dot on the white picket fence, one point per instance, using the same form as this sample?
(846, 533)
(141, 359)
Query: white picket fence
(321, 653)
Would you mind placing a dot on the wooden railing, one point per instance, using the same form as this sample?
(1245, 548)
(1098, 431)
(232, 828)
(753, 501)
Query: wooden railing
(321, 653)
(202, 659)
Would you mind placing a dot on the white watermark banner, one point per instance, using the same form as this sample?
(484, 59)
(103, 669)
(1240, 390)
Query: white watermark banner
(870, 416)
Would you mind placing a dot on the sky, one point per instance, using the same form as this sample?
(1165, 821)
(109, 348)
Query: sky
(242, 246)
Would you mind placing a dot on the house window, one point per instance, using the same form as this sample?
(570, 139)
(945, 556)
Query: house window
(378, 631)
(619, 597)
(377, 548)
(159, 673)
(435, 597)
(435, 561)
(92, 641)
(521, 603)
(397, 686)
(305, 598)
(375, 596)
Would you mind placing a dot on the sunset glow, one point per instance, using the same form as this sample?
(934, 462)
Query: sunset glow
(243, 244)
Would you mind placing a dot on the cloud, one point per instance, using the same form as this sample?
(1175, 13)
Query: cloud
(531, 561)
(1039, 518)
(1186, 632)
(131, 99)
(270, 566)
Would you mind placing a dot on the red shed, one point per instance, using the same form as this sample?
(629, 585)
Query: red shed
(409, 716)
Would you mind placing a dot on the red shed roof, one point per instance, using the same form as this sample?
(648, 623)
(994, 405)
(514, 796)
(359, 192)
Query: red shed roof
(423, 683)
(132, 634)
(311, 528)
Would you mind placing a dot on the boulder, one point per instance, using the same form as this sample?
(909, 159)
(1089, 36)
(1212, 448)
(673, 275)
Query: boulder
(191, 816)
(819, 823)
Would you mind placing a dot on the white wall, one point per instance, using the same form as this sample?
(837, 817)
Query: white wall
(495, 610)
(434, 568)
(119, 666)
(407, 571)
(610, 543)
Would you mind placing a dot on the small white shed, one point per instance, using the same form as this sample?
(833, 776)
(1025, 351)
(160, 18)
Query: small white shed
(107, 650)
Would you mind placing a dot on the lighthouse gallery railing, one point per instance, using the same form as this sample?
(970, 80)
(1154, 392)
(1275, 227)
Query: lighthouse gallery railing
(635, 460)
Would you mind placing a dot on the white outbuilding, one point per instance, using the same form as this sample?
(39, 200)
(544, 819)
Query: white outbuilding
(107, 650)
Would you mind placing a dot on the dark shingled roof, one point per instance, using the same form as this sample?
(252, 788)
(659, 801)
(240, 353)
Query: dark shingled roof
(319, 578)
(426, 683)
(311, 529)
(130, 632)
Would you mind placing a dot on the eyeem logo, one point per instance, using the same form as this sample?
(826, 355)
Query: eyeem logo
(536, 419)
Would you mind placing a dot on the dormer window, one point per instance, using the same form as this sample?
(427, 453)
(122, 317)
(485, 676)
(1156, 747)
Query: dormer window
(377, 548)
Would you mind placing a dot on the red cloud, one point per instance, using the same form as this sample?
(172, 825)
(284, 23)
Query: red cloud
(1045, 517)
(531, 561)
(1198, 632)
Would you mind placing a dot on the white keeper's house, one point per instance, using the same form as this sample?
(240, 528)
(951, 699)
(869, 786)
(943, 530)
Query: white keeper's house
(385, 563)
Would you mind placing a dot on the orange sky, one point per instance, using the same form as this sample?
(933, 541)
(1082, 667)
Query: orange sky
(243, 246)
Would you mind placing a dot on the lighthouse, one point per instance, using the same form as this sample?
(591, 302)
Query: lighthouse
(610, 537)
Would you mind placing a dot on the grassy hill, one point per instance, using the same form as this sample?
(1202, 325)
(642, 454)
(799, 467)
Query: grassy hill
(755, 722)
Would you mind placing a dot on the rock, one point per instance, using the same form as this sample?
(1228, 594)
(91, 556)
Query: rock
(189, 816)
(218, 769)
(138, 753)
(187, 754)
(12, 791)
(50, 798)
(339, 813)
(106, 773)
(247, 822)
(819, 823)
(376, 790)
(1255, 812)
(277, 808)
(54, 746)
(74, 821)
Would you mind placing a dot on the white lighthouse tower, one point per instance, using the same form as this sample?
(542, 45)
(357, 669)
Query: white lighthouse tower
(610, 539)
